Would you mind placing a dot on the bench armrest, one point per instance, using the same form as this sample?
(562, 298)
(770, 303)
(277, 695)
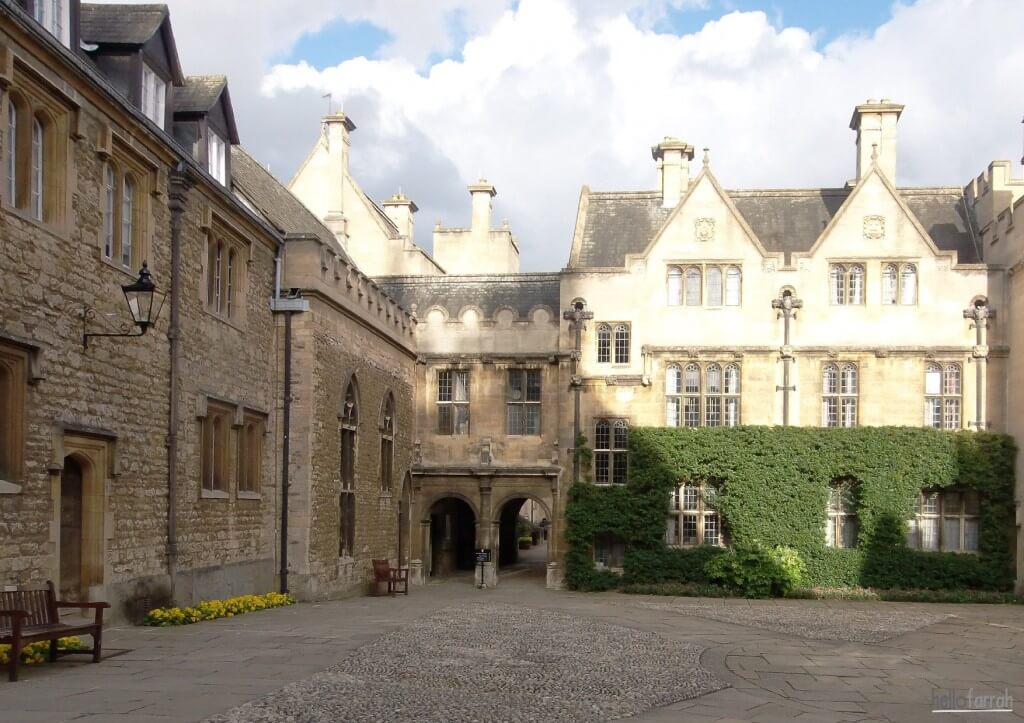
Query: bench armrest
(15, 614)
(84, 605)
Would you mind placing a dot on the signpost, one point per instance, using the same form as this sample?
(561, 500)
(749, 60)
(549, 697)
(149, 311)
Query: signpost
(483, 554)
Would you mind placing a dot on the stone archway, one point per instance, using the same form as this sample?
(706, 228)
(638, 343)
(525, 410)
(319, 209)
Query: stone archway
(509, 512)
(452, 537)
(71, 524)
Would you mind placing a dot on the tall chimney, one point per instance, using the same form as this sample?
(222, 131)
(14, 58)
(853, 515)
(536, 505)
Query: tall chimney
(482, 192)
(399, 208)
(673, 157)
(875, 123)
(337, 127)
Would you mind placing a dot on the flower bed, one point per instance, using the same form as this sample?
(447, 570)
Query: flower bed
(38, 652)
(213, 609)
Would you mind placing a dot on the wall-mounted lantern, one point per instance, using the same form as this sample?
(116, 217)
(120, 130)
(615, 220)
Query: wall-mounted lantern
(144, 304)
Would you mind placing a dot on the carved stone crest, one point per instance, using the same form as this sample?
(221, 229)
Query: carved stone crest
(704, 229)
(874, 227)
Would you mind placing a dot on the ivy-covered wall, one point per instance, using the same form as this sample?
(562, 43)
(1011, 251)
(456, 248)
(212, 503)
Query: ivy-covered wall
(774, 484)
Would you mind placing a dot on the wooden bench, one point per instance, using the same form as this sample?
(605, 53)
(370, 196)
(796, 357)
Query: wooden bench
(30, 616)
(395, 577)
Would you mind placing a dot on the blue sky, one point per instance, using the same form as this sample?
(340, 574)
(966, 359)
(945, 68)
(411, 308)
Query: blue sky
(340, 40)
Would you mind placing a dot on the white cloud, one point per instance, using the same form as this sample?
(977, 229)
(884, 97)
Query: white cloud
(556, 93)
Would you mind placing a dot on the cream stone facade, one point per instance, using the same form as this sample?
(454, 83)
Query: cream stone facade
(861, 304)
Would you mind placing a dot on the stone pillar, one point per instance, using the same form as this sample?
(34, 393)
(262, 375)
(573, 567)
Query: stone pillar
(485, 536)
(555, 576)
(416, 572)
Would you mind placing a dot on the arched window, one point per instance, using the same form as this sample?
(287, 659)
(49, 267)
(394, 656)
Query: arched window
(108, 211)
(837, 283)
(733, 286)
(387, 442)
(675, 286)
(732, 395)
(349, 425)
(841, 526)
(673, 386)
(693, 291)
(36, 196)
(622, 344)
(908, 284)
(943, 389)
(229, 295)
(890, 283)
(127, 216)
(216, 277)
(610, 461)
(691, 399)
(11, 152)
(604, 344)
(713, 396)
(947, 520)
(856, 284)
(249, 460)
(839, 395)
(714, 286)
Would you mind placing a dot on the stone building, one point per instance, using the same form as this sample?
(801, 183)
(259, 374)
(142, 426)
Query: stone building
(138, 467)
(695, 304)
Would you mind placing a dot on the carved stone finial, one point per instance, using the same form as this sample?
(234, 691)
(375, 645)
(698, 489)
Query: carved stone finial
(874, 151)
(707, 156)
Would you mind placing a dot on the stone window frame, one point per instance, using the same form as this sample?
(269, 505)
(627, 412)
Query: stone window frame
(611, 456)
(121, 169)
(36, 101)
(946, 398)
(348, 439)
(225, 272)
(842, 289)
(894, 277)
(448, 404)
(842, 523)
(56, 24)
(604, 344)
(935, 508)
(840, 394)
(16, 364)
(527, 404)
(693, 518)
(217, 420)
(249, 455)
(386, 427)
(608, 552)
(621, 343)
(690, 284)
(704, 403)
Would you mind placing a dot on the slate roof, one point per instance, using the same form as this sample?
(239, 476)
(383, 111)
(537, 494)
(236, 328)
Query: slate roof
(120, 24)
(276, 203)
(199, 94)
(489, 292)
(785, 221)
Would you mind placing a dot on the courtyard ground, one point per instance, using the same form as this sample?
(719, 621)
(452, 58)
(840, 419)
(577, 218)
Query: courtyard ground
(519, 652)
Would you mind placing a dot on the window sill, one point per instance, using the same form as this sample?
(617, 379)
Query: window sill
(128, 272)
(9, 488)
(55, 228)
(235, 323)
(249, 495)
(213, 494)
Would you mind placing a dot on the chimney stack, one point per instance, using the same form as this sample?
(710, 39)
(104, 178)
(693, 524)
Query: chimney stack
(673, 157)
(875, 123)
(399, 208)
(482, 192)
(337, 126)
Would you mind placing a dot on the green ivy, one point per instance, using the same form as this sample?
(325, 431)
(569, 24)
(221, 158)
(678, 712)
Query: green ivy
(774, 492)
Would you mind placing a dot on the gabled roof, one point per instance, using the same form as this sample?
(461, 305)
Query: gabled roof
(276, 203)
(487, 292)
(201, 93)
(784, 220)
(130, 25)
(121, 24)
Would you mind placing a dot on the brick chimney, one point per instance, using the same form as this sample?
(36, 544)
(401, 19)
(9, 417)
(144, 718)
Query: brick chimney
(875, 123)
(673, 157)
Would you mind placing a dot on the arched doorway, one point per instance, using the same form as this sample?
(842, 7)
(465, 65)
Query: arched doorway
(452, 537)
(522, 532)
(72, 522)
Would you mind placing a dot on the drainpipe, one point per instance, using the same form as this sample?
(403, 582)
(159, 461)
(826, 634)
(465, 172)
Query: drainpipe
(787, 307)
(287, 304)
(179, 184)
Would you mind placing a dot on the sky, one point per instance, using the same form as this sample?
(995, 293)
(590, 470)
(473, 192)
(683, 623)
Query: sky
(543, 96)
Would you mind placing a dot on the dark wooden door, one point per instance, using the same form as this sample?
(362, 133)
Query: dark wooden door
(71, 530)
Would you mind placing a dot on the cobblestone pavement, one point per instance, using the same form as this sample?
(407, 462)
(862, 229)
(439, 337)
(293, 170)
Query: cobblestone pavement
(545, 656)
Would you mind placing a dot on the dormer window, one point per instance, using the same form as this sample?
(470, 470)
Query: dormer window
(217, 157)
(154, 95)
(54, 17)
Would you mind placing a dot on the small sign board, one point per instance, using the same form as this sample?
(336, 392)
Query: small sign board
(483, 554)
